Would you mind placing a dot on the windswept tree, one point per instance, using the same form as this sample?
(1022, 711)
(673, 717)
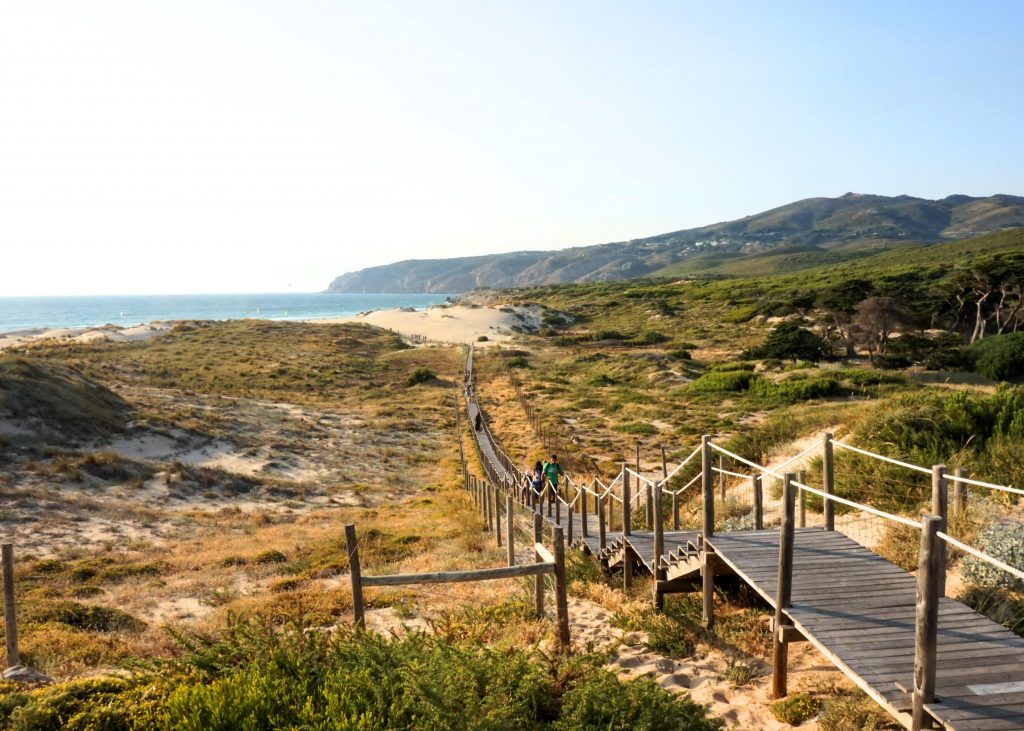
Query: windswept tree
(789, 340)
(991, 291)
(839, 304)
(876, 319)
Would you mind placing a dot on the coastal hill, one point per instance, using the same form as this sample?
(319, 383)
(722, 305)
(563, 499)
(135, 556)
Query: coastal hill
(802, 234)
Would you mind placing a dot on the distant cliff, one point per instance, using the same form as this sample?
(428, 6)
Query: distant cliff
(808, 231)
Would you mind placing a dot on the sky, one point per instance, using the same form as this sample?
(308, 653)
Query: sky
(257, 146)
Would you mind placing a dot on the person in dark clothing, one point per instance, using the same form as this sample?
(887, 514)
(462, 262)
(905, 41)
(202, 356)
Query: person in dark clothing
(479, 421)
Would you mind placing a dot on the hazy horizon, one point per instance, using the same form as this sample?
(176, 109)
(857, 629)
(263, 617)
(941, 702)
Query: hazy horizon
(227, 147)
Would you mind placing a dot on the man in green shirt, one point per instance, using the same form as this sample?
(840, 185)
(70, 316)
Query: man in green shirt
(551, 472)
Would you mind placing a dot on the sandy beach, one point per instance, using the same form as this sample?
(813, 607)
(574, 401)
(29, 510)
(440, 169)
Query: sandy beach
(453, 323)
(112, 333)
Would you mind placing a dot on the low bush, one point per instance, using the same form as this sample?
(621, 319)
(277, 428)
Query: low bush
(420, 375)
(722, 382)
(999, 357)
(1004, 541)
(796, 709)
(639, 428)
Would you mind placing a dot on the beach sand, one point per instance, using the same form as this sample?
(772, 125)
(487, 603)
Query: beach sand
(112, 333)
(452, 324)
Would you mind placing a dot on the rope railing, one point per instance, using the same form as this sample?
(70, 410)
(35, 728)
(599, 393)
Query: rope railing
(981, 555)
(980, 483)
(881, 457)
(680, 466)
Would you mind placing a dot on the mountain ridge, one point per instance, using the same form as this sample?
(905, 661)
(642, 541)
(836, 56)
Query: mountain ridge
(808, 230)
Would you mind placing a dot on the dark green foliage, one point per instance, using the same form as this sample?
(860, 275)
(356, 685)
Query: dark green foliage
(637, 427)
(482, 338)
(789, 340)
(85, 616)
(795, 390)
(796, 709)
(420, 375)
(999, 357)
(944, 352)
(256, 677)
(517, 362)
(270, 556)
(722, 382)
(651, 337)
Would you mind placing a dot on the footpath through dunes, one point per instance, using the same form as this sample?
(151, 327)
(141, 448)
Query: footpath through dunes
(927, 660)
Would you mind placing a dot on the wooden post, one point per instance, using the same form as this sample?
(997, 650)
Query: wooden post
(707, 488)
(721, 476)
(707, 560)
(561, 591)
(568, 528)
(758, 501)
(803, 500)
(940, 507)
(584, 528)
(675, 511)
(488, 519)
(664, 464)
(960, 494)
(638, 457)
(780, 648)
(929, 579)
(828, 481)
(659, 547)
(649, 497)
(558, 507)
(511, 528)
(538, 584)
(497, 519)
(602, 524)
(627, 498)
(355, 574)
(549, 493)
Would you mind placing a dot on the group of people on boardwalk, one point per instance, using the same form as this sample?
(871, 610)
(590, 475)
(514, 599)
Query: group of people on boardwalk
(542, 475)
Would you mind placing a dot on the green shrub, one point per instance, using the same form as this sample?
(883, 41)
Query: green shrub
(795, 390)
(790, 341)
(85, 616)
(517, 362)
(651, 337)
(640, 428)
(680, 354)
(999, 604)
(420, 375)
(739, 315)
(722, 382)
(1004, 541)
(270, 556)
(482, 338)
(999, 357)
(796, 709)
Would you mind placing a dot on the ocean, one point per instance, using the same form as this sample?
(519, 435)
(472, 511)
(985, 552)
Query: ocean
(29, 313)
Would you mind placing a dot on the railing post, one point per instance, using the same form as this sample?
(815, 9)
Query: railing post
(780, 648)
(602, 524)
(940, 507)
(659, 547)
(568, 527)
(960, 494)
(355, 574)
(649, 497)
(558, 507)
(497, 519)
(584, 497)
(561, 592)
(488, 518)
(511, 528)
(721, 476)
(757, 483)
(929, 578)
(538, 584)
(549, 492)
(707, 560)
(803, 500)
(675, 511)
(707, 488)
(627, 498)
(828, 481)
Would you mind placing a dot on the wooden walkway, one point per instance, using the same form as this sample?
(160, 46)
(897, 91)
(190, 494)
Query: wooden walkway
(854, 606)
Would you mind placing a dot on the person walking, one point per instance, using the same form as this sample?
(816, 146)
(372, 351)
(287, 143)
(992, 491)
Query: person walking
(551, 471)
(536, 477)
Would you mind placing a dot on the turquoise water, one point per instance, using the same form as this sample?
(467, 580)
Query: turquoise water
(27, 313)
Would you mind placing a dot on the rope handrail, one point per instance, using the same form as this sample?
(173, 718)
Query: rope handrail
(866, 453)
(797, 456)
(819, 493)
(720, 471)
(980, 483)
(680, 466)
(688, 484)
(981, 555)
(638, 476)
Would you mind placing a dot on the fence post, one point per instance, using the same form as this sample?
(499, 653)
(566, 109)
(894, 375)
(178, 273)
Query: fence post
(355, 574)
(10, 607)
(828, 481)
(549, 491)
(538, 584)
(940, 507)
(960, 494)
(627, 498)
(488, 516)
(561, 593)
(558, 507)
(721, 476)
(758, 501)
(584, 528)
(780, 648)
(497, 518)
(659, 547)
(649, 496)
(803, 500)
(568, 527)
(929, 577)
(602, 524)
(707, 566)
(511, 528)
(638, 456)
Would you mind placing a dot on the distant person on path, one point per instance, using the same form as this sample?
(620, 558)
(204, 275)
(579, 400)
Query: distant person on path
(479, 421)
(536, 476)
(551, 472)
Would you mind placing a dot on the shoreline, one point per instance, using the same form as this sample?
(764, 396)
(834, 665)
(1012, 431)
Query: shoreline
(440, 323)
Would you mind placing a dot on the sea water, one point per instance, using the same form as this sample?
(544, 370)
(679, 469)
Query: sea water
(30, 313)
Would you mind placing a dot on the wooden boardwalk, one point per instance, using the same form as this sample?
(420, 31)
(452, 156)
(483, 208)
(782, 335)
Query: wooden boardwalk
(855, 607)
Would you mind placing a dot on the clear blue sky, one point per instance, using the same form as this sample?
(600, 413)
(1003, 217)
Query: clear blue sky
(201, 145)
